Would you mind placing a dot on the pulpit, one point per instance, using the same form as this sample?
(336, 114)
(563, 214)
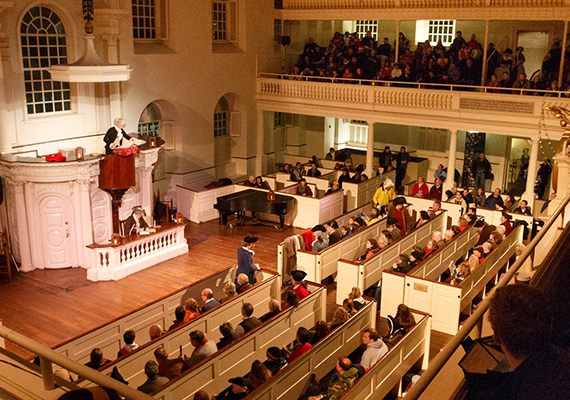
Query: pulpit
(117, 175)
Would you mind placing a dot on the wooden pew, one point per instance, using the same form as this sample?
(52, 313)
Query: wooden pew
(212, 374)
(109, 337)
(393, 283)
(290, 382)
(363, 274)
(445, 302)
(320, 265)
(387, 373)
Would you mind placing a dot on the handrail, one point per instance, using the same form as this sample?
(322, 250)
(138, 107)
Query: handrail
(47, 356)
(445, 354)
(413, 85)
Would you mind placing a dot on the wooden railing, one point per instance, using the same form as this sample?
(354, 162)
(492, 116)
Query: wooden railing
(381, 4)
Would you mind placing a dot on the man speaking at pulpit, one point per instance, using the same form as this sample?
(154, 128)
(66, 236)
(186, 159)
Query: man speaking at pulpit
(116, 136)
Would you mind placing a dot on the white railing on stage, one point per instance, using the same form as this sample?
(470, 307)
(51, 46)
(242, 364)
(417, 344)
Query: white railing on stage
(290, 382)
(387, 373)
(212, 374)
(198, 207)
(444, 301)
(131, 366)
(363, 274)
(108, 337)
(113, 262)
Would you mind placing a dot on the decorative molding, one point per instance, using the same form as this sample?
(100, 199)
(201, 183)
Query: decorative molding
(42, 172)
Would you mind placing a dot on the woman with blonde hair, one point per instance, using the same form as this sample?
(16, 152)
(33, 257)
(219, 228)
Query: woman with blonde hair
(340, 316)
(356, 296)
(229, 290)
(259, 374)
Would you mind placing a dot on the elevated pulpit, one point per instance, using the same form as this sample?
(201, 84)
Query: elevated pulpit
(117, 175)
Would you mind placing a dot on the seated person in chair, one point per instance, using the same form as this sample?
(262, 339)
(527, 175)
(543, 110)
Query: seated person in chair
(136, 223)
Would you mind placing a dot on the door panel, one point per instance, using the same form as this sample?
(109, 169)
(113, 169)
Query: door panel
(55, 232)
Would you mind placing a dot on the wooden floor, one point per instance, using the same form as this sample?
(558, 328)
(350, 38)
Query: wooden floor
(52, 306)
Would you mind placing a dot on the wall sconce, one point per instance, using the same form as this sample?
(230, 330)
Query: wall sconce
(180, 218)
(271, 195)
(79, 154)
(152, 142)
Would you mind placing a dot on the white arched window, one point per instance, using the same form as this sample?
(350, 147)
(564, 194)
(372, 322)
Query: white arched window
(150, 121)
(42, 37)
(221, 116)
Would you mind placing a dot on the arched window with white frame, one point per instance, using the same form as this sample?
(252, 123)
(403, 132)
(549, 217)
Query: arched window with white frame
(43, 42)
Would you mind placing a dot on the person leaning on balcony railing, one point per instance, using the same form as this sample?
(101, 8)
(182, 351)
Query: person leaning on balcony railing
(521, 82)
(494, 83)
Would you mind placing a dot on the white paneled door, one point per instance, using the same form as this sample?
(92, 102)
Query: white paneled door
(55, 222)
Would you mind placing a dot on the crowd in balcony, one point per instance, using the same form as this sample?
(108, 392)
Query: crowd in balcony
(349, 58)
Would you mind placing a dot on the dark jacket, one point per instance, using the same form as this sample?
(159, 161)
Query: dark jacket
(110, 137)
(485, 165)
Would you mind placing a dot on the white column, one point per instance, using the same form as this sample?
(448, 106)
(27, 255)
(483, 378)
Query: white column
(449, 183)
(260, 143)
(562, 57)
(370, 150)
(485, 55)
(528, 195)
(396, 54)
(23, 239)
(114, 87)
(86, 220)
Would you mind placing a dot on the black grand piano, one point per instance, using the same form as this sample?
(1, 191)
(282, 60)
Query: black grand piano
(254, 201)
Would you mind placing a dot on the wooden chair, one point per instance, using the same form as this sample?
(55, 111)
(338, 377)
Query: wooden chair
(5, 264)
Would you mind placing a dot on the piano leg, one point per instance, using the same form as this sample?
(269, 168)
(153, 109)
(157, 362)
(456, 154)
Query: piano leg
(282, 221)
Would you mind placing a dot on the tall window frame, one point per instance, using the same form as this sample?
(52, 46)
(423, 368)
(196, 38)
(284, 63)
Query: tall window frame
(43, 43)
(224, 22)
(150, 20)
(150, 121)
(363, 26)
(221, 119)
(443, 30)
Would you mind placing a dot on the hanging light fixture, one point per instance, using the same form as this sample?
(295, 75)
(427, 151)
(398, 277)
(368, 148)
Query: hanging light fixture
(90, 67)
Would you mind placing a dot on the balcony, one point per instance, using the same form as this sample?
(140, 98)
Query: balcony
(451, 107)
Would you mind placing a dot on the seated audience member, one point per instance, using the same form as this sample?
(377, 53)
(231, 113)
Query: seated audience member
(333, 232)
(448, 195)
(423, 219)
(340, 316)
(463, 224)
(455, 229)
(330, 154)
(243, 283)
(436, 236)
(228, 335)
(448, 236)
(319, 243)
(382, 242)
(259, 374)
(275, 360)
(239, 389)
(180, 314)
(208, 299)
(403, 264)
(261, 184)
(436, 207)
(299, 284)
(472, 262)
(420, 189)
(303, 344)
(348, 305)
(486, 231)
(130, 345)
(402, 322)
(506, 222)
(92, 393)
(203, 348)
(469, 218)
(356, 224)
(371, 249)
(229, 291)
(356, 296)
(192, 309)
(250, 181)
(96, 359)
(314, 172)
(401, 214)
(460, 273)
(291, 299)
(345, 177)
(487, 249)
(155, 331)
(523, 208)
(373, 217)
(274, 309)
(297, 173)
(521, 318)
(458, 199)
(320, 332)
(169, 368)
(494, 201)
(303, 189)
(415, 258)
(201, 395)
(508, 202)
(440, 173)
(375, 348)
(249, 321)
(479, 252)
(335, 187)
(345, 231)
(347, 375)
(430, 248)
(395, 233)
(436, 191)
(467, 196)
(153, 381)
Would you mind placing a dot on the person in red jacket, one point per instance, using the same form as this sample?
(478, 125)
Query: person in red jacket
(420, 188)
(506, 222)
(299, 285)
(303, 344)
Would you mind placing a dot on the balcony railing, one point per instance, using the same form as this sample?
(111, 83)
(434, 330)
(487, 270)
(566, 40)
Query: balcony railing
(384, 4)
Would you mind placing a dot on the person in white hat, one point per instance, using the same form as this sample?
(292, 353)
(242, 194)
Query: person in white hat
(136, 223)
(384, 196)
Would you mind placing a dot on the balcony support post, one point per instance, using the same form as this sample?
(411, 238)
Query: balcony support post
(260, 143)
(560, 73)
(485, 55)
(397, 50)
(528, 195)
(449, 182)
(370, 150)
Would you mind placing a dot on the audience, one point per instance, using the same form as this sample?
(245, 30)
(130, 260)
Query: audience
(340, 316)
(356, 296)
(208, 299)
(249, 321)
(130, 345)
(96, 359)
(239, 389)
(154, 381)
(243, 283)
(259, 374)
(291, 299)
(402, 322)
(375, 348)
(274, 309)
(275, 360)
(303, 344)
(169, 368)
(192, 309)
(228, 335)
(155, 331)
(347, 375)
(203, 348)
(299, 284)
(320, 332)
(229, 291)
(180, 314)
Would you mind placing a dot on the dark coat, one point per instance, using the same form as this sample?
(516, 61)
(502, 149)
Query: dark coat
(110, 137)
